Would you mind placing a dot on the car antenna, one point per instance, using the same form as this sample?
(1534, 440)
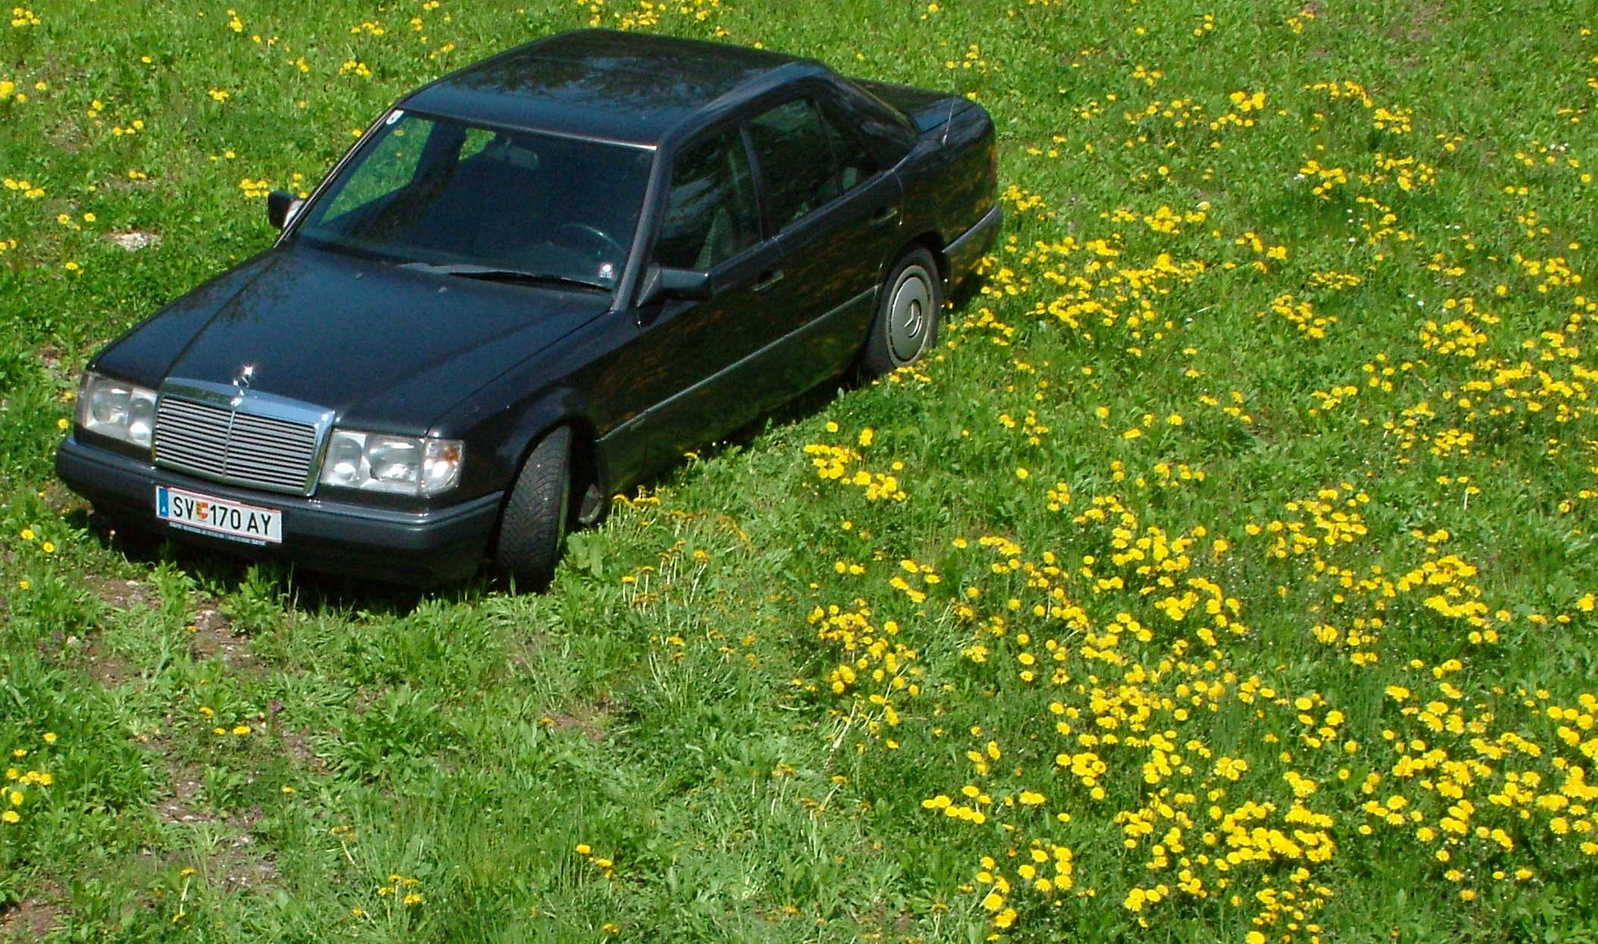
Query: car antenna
(946, 123)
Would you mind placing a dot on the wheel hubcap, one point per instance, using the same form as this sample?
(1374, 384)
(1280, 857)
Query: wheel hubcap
(908, 315)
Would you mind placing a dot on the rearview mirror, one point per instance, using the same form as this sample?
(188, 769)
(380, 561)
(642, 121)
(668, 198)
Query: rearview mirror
(662, 282)
(281, 207)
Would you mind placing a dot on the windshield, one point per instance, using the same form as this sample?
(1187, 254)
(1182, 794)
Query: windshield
(445, 193)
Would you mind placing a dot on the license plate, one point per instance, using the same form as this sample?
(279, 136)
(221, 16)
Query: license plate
(206, 514)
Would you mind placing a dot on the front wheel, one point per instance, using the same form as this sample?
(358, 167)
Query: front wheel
(534, 521)
(907, 315)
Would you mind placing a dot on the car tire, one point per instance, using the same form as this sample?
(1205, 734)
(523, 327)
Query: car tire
(533, 524)
(906, 324)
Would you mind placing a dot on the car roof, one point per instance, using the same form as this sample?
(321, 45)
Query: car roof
(633, 88)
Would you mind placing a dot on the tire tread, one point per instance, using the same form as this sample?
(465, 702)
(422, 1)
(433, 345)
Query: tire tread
(533, 523)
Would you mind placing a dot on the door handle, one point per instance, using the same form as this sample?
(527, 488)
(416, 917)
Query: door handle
(767, 280)
(886, 214)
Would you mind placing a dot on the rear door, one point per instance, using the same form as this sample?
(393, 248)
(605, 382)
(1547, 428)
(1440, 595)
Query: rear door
(793, 221)
(836, 215)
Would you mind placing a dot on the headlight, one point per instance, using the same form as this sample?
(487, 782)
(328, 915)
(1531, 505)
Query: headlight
(120, 410)
(403, 465)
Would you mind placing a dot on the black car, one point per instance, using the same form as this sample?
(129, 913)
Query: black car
(530, 283)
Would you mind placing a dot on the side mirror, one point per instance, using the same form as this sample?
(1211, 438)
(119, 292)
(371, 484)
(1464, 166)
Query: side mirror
(281, 207)
(662, 282)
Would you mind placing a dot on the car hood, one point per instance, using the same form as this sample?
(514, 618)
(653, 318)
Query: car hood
(386, 348)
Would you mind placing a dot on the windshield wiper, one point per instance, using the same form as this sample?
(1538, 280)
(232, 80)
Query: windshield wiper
(495, 273)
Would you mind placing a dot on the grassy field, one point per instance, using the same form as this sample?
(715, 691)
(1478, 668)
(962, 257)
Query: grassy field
(1228, 574)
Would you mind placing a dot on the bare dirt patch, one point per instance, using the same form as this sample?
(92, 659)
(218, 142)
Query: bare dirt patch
(124, 594)
(30, 919)
(107, 668)
(50, 357)
(68, 137)
(133, 240)
(103, 665)
(587, 728)
(590, 722)
(1421, 23)
(181, 806)
(212, 636)
(297, 745)
(243, 867)
(236, 861)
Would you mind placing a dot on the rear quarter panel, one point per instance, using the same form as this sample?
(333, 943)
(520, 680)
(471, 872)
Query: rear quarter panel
(950, 177)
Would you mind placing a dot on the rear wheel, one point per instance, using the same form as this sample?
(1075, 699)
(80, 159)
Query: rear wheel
(907, 314)
(534, 521)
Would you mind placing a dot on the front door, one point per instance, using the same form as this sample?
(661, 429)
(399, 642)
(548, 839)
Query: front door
(685, 380)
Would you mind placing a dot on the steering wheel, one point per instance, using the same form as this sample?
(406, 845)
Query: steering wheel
(594, 233)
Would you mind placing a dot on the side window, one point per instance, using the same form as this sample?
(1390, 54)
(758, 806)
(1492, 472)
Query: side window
(710, 215)
(806, 159)
(795, 159)
(852, 163)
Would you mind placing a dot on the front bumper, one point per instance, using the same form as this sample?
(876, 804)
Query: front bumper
(435, 546)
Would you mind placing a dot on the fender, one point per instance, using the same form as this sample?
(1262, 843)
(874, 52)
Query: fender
(504, 439)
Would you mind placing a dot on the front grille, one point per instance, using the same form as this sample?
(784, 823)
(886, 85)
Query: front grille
(225, 444)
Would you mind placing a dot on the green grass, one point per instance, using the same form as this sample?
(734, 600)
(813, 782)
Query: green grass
(1237, 519)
